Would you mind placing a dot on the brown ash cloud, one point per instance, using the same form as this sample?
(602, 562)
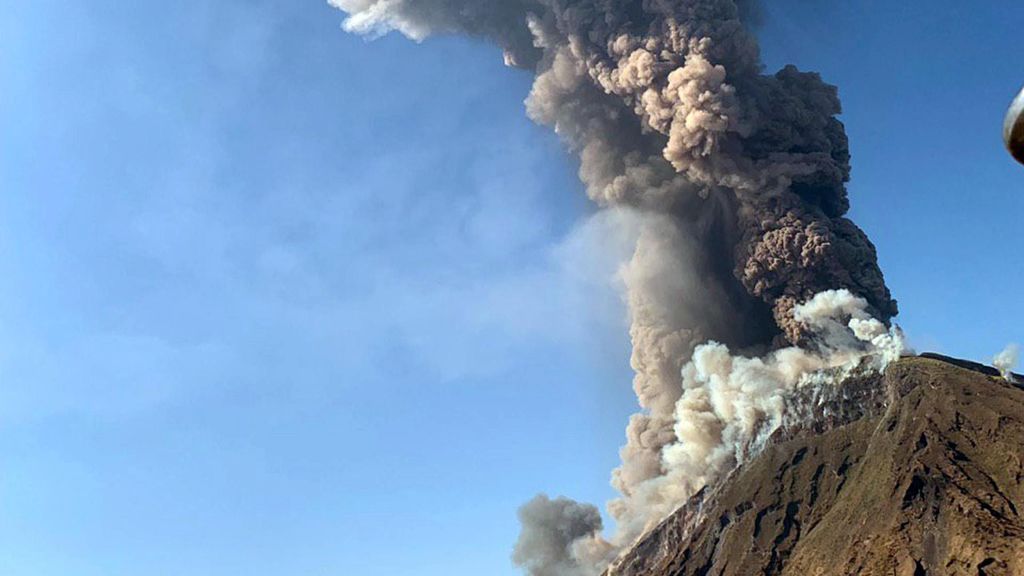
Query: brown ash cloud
(737, 175)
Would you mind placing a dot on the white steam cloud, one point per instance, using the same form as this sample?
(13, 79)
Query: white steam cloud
(731, 404)
(1006, 361)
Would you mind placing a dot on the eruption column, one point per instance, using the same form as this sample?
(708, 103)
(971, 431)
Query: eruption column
(738, 177)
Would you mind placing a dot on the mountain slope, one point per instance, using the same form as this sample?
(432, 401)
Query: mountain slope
(930, 482)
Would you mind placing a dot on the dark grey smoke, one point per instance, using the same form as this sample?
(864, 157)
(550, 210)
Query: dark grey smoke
(551, 531)
(739, 179)
(665, 100)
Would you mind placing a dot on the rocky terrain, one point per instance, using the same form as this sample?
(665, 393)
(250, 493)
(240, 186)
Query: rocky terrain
(925, 477)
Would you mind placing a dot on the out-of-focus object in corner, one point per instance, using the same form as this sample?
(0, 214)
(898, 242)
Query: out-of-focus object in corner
(1013, 128)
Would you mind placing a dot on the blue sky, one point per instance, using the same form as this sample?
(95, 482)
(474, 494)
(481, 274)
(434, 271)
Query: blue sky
(278, 300)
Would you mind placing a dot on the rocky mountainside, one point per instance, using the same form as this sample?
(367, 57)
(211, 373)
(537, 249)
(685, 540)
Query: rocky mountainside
(925, 479)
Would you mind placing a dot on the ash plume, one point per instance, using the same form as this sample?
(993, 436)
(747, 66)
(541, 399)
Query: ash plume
(554, 535)
(738, 178)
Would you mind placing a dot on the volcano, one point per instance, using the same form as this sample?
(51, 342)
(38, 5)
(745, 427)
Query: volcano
(924, 477)
(749, 294)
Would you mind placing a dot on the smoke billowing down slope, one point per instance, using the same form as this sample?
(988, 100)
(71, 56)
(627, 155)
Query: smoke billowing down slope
(738, 178)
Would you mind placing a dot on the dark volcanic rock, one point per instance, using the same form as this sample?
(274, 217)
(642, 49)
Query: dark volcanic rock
(929, 482)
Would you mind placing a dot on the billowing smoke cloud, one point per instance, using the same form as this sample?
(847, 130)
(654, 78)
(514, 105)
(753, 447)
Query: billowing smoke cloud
(555, 535)
(729, 407)
(731, 404)
(740, 180)
(1006, 361)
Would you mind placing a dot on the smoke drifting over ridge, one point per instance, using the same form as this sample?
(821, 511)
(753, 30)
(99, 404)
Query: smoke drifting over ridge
(738, 178)
(1006, 361)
